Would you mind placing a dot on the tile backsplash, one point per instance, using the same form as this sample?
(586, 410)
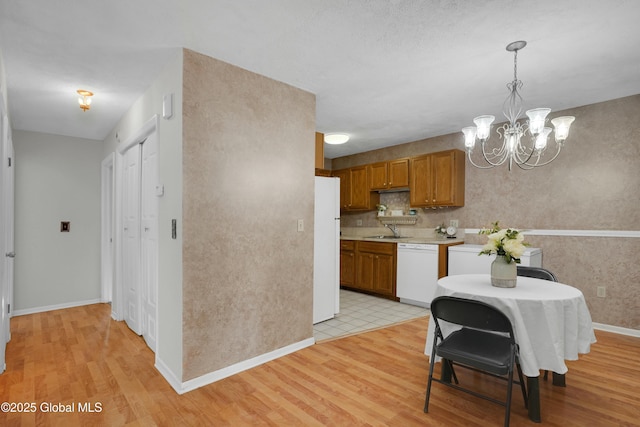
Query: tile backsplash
(427, 218)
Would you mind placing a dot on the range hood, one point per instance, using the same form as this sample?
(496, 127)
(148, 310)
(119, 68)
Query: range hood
(394, 190)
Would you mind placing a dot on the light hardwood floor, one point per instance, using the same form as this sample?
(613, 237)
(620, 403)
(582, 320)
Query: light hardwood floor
(81, 356)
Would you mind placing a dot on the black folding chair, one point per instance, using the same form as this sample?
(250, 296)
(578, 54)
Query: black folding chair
(485, 344)
(537, 273)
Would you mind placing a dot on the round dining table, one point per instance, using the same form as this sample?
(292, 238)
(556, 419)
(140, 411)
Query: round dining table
(551, 321)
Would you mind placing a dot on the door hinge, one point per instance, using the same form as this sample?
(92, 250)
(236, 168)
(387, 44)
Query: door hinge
(9, 161)
(8, 308)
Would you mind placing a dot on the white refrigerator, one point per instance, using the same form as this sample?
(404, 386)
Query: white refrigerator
(326, 249)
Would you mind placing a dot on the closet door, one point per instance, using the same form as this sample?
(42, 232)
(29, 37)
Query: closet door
(131, 277)
(137, 264)
(149, 239)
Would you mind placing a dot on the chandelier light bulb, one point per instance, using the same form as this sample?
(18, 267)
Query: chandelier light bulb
(541, 139)
(537, 118)
(513, 140)
(562, 125)
(484, 126)
(469, 136)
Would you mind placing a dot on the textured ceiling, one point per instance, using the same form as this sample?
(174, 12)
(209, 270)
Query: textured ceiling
(384, 71)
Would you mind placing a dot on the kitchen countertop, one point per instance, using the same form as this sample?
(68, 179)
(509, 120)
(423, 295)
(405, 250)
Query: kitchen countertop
(423, 240)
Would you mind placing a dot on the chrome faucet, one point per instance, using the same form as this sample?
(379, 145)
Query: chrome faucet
(394, 229)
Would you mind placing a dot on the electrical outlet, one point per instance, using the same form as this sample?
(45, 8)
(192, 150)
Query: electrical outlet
(601, 292)
(358, 223)
(453, 223)
(300, 225)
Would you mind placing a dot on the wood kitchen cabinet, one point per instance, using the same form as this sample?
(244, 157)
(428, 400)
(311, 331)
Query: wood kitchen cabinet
(319, 150)
(375, 267)
(388, 175)
(320, 170)
(347, 263)
(437, 179)
(355, 194)
(443, 258)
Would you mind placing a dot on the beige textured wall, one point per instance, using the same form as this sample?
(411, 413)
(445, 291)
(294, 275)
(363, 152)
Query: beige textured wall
(593, 185)
(248, 162)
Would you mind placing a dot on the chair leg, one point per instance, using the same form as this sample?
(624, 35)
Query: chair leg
(523, 387)
(429, 381)
(507, 411)
(448, 371)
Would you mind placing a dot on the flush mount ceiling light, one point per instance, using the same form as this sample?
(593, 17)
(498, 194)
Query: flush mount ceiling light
(336, 138)
(85, 99)
(511, 145)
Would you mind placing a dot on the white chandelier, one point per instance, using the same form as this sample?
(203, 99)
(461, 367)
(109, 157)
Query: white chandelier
(526, 151)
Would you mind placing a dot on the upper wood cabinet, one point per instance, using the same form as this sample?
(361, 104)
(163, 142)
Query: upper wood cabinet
(388, 175)
(355, 194)
(319, 150)
(437, 179)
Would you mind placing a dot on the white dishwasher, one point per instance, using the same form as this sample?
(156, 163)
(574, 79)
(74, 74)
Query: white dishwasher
(417, 273)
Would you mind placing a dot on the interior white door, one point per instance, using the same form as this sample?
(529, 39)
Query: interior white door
(6, 237)
(9, 227)
(107, 241)
(131, 276)
(149, 239)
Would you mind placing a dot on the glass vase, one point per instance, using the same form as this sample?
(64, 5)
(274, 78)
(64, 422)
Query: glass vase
(503, 274)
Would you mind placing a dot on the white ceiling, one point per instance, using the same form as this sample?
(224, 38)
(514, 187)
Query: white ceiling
(384, 71)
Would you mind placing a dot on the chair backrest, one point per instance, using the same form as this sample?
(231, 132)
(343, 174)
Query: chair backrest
(537, 273)
(470, 313)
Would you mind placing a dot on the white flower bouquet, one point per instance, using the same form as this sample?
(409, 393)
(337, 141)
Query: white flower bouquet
(507, 242)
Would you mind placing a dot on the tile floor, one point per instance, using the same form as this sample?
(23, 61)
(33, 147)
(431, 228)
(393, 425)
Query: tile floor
(361, 312)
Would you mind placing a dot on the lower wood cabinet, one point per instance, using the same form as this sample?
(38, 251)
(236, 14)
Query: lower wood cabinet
(369, 267)
(347, 263)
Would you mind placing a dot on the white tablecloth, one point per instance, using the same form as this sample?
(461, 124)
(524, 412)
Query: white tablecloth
(551, 321)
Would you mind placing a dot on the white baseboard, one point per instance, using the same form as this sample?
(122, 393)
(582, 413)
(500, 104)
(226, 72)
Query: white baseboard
(414, 302)
(168, 375)
(236, 368)
(55, 307)
(617, 329)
